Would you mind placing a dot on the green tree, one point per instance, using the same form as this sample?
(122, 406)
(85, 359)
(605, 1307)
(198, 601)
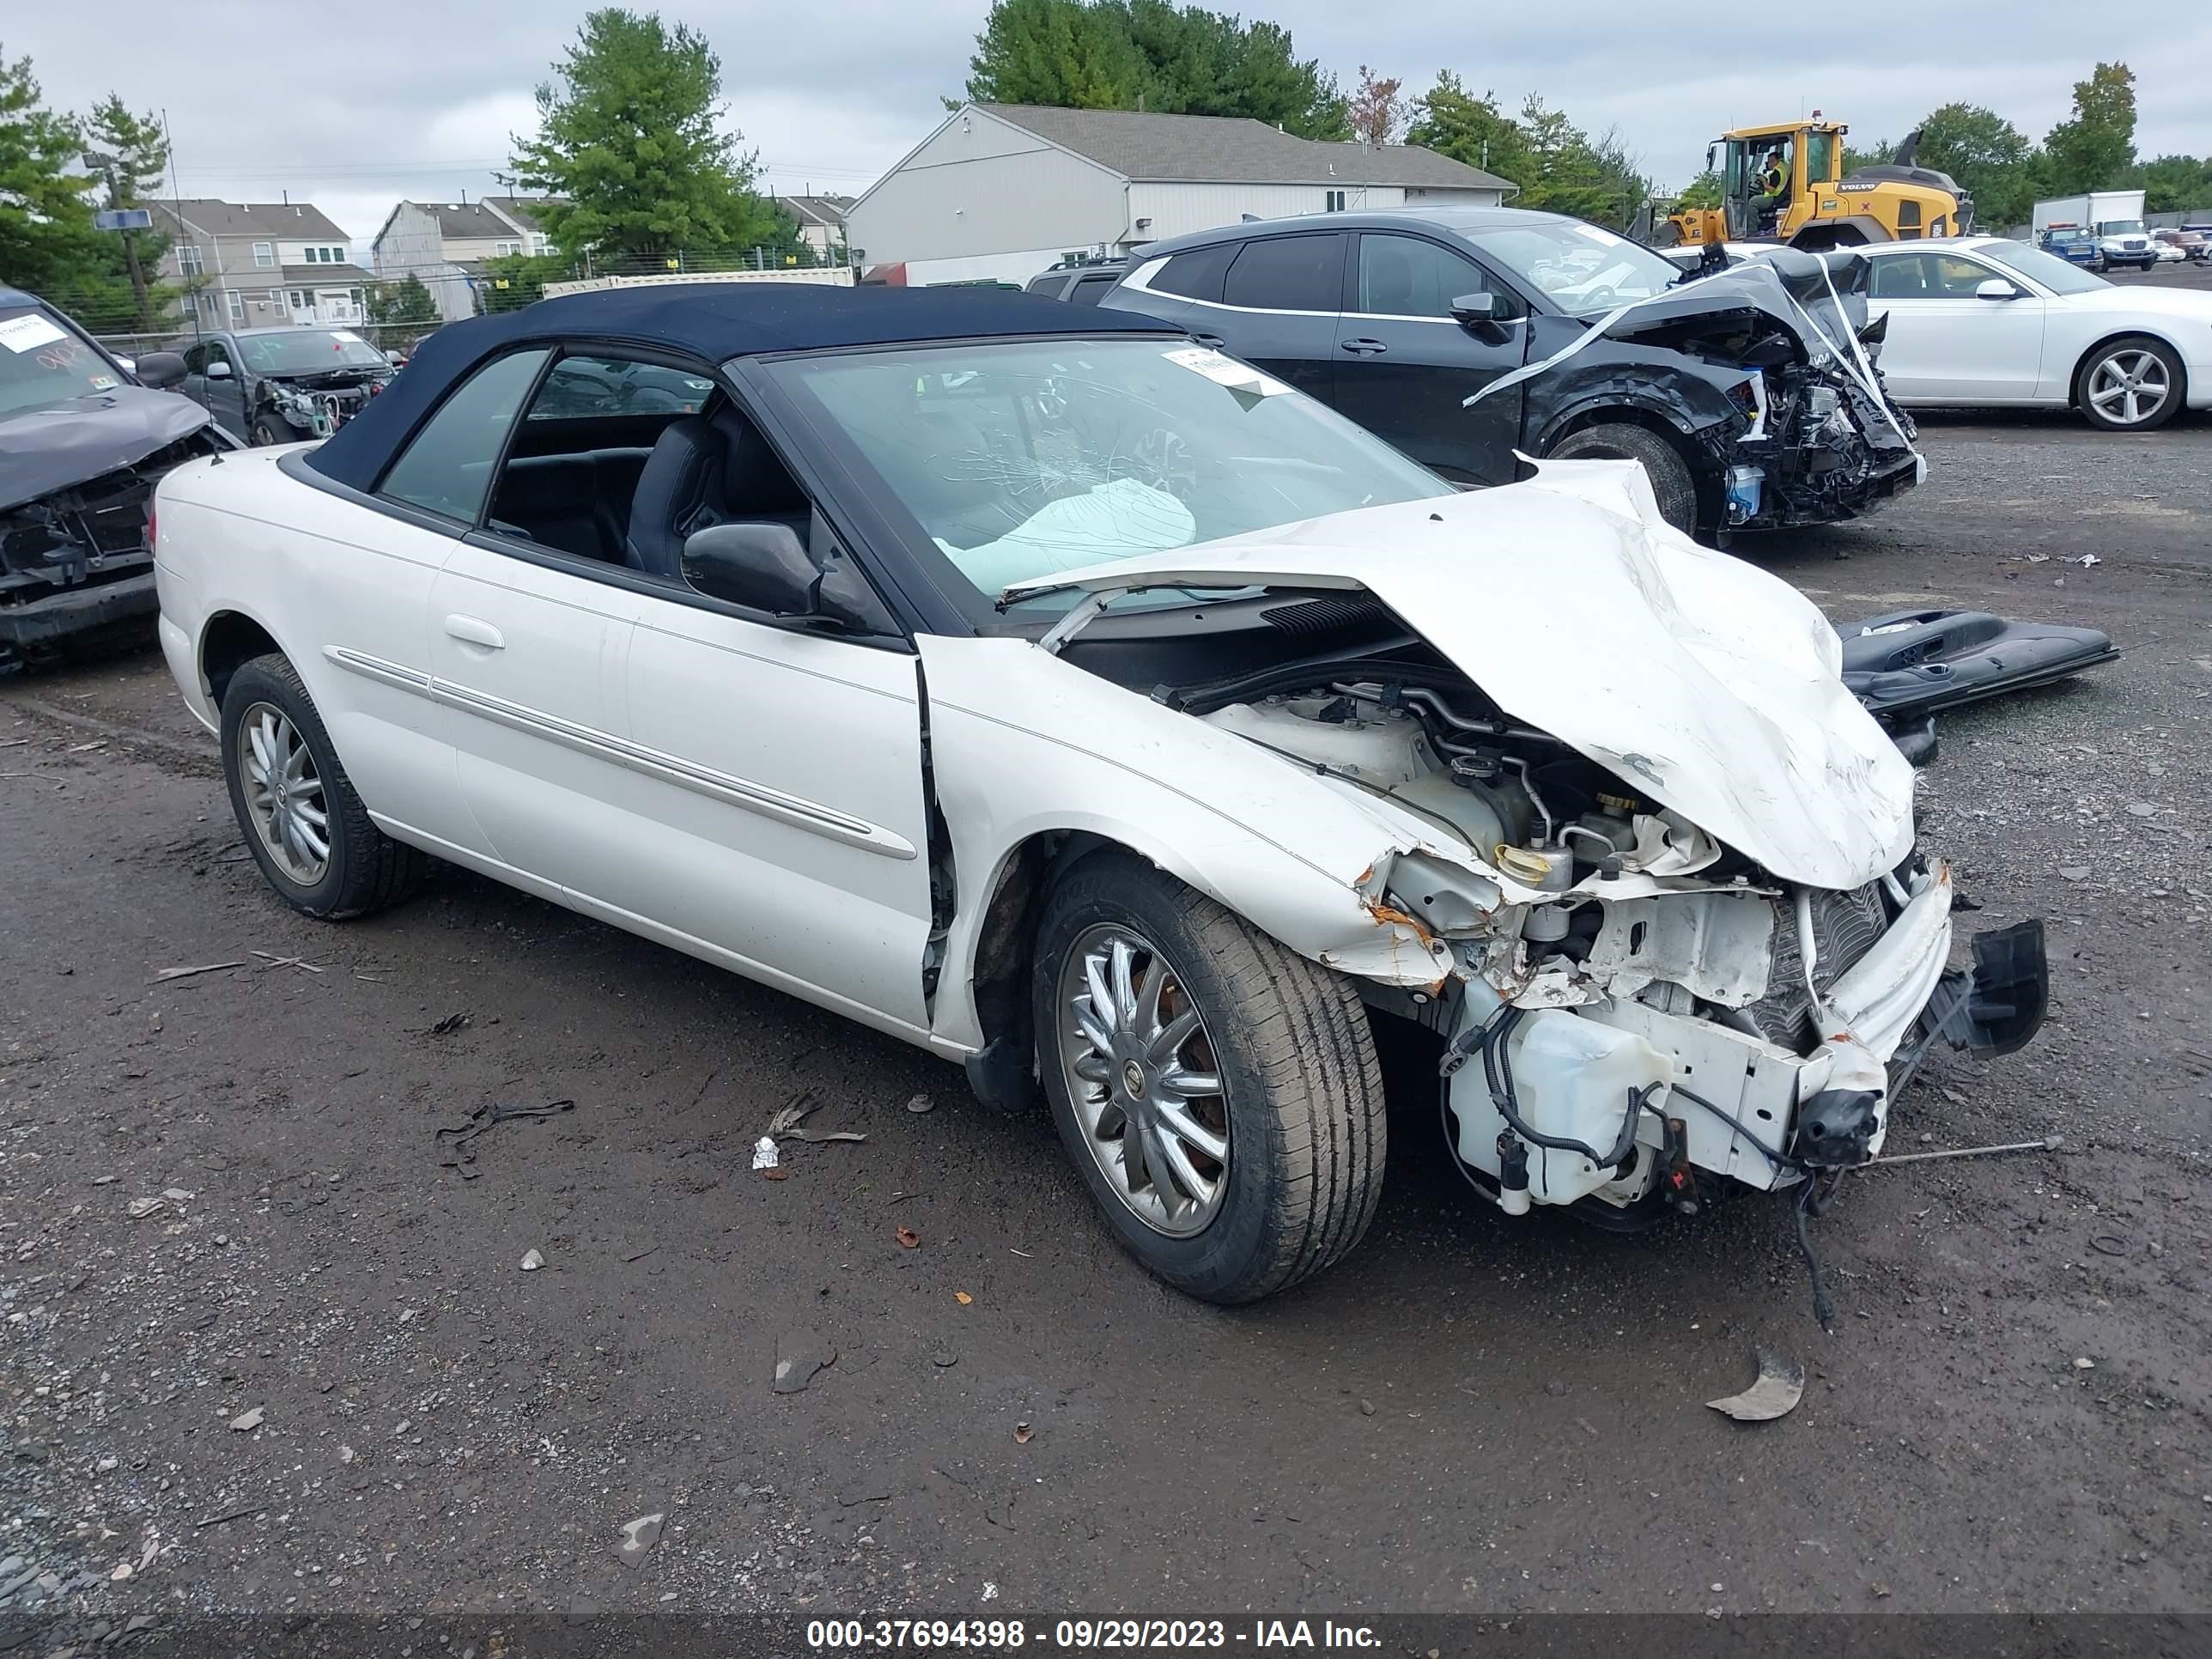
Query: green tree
(1452, 121)
(1987, 154)
(519, 279)
(2175, 183)
(1879, 153)
(47, 243)
(133, 155)
(406, 301)
(1704, 191)
(1152, 55)
(2093, 148)
(629, 139)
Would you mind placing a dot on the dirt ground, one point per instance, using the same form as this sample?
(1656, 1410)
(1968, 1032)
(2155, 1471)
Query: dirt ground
(316, 1377)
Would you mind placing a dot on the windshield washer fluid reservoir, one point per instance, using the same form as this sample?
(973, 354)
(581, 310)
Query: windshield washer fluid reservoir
(1572, 1077)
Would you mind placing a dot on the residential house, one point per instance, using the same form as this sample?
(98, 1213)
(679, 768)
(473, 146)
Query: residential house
(258, 264)
(445, 245)
(821, 221)
(1001, 192)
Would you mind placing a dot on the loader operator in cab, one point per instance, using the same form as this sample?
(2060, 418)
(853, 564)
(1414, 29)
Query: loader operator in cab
(1773, 181)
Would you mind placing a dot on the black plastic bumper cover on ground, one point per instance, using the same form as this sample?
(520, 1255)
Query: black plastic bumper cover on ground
(1913, 663)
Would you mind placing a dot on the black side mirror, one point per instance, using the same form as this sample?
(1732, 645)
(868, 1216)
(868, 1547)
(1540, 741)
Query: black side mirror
(160, 369)
(760, 564)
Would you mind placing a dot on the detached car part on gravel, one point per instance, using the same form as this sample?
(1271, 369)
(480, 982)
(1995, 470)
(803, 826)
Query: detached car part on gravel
(1066, 698)
(83, 443)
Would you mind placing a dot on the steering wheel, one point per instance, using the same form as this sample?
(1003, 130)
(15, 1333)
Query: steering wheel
(1603, 297)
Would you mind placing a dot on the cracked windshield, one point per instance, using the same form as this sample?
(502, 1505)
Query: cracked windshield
(1021, 461)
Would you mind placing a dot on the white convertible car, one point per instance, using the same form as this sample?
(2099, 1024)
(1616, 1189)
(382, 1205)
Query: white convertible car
(1980, 321)
(1090, 708)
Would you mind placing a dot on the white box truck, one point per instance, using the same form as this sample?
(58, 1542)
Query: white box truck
(2110, 222)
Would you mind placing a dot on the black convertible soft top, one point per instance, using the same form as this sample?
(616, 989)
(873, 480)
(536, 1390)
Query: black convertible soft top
(715, 321)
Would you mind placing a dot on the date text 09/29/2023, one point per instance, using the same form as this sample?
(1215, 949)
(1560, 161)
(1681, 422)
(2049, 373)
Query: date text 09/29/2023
(1007, 1635)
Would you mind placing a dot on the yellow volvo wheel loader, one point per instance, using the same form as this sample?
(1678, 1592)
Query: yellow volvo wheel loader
(1785, 183)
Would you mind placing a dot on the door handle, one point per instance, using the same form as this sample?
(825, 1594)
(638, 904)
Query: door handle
(1364, 347)
(469, 630)
(1213, 340)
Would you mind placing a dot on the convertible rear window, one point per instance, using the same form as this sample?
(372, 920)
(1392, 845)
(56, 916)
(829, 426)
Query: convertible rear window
(1018, 459)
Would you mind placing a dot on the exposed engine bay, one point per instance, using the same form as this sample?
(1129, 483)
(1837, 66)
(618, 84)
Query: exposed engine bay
(316, 405)
(1606, 1049)
(76, 557)
(1634, 1006)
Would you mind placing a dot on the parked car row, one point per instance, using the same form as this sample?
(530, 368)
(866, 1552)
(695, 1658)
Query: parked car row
(1208, 741)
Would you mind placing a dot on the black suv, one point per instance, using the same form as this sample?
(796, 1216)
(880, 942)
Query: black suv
(1743, 416)
(1082, 285)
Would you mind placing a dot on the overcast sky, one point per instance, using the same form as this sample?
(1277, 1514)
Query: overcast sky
(354, 108)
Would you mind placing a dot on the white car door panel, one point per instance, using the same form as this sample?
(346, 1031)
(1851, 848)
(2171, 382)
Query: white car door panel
(1945, 345)
(528, 660)
(360, 584)
(779, 812)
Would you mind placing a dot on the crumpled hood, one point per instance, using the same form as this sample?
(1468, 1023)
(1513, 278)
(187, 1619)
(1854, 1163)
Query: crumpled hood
(68, 443)
(1706, 682)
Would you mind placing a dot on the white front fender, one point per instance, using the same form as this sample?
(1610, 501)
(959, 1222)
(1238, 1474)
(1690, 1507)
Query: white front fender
(1023, 744)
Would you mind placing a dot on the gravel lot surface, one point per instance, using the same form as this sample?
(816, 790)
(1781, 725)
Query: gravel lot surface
(262, 1350)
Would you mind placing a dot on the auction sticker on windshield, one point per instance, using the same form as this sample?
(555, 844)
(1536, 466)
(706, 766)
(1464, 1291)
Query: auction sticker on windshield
(1225, 371)
(21, 334)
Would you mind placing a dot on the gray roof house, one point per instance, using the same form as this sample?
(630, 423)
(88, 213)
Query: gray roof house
(444, 244)
(1000, 191)
(258, 264)
(821, 219)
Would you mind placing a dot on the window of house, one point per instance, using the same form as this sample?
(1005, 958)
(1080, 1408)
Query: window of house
(298, 299)
(188, 259)
(1410, 276)
(1335, 201)
(504, 250)
(446, 469)
(1288, 273)
(237, 303)
(265, 254)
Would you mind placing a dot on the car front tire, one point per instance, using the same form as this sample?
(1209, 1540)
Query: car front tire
(1671, 483)
(2133, 383)
(302, 820)
(1219, 1095)
(268, 430)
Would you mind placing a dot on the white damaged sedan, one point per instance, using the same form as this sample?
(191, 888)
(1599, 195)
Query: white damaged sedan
(1101, 714)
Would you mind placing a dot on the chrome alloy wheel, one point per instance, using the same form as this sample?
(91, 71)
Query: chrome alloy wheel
(2129, 386)
(283, 794)
(1140, 1070)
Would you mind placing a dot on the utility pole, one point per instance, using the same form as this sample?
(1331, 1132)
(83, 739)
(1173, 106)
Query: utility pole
(106, 166)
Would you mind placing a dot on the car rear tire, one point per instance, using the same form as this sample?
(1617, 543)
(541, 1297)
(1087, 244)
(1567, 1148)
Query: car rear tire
(1243, 1188)
(1671, 483)
(302, 820)
(2133, 383)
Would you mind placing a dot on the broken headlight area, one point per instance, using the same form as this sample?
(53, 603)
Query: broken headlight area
(78, 559)
(1636, 1010)
(319, 404)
